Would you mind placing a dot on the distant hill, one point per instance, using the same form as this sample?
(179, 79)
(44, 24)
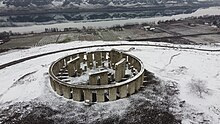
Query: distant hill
(83, 3)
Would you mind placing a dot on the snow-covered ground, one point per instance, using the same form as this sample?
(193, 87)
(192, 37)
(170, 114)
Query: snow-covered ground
(1, 4)
(28, 80)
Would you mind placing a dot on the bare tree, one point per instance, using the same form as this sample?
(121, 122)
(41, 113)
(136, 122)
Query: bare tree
(198, 87)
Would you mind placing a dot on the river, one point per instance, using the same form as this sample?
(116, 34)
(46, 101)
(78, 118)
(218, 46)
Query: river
(109, 22)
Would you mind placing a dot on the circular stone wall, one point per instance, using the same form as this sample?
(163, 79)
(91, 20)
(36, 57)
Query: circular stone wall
(110, 75)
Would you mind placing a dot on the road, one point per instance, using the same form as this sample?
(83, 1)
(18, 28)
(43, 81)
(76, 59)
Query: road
(92, 46)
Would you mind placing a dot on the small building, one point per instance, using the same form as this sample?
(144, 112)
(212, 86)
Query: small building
(149, 28)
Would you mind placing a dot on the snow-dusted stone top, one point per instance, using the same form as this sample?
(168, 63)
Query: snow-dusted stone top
(117, 75)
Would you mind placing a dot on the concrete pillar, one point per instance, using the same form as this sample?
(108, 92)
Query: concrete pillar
(92, 80)
(76, 94)
(52, 84)
(104, 56)
(93, 77)
(137, 65)
(130, 60)
(81, 57)
(98, 59)
(120, 70)
(123, 91)
(104, 78)
(56, 69)
(77, 65)
(100, 95)
(129, 65)
(61, 63)
(67, 59)
(118, 75)
(137, 84)
(66, 91)
(88, 95)
(123, 68)
(112, 77)
(131, 88)
(142, 79)
(71, 69)
(72, 66)
(58, 89)
(112, 94)
(89, 60)
(115, 56)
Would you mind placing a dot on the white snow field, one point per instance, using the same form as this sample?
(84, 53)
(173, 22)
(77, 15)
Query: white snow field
(28, 81)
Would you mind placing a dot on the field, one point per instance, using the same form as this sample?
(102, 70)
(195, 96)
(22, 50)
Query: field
(187, 31)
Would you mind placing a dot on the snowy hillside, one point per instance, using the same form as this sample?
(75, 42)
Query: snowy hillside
(26, 84)
(79, 3)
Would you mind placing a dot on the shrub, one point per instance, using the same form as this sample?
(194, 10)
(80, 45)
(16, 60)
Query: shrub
(198, 87)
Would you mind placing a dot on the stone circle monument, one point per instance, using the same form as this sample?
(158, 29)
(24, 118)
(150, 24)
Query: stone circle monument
(97, 76)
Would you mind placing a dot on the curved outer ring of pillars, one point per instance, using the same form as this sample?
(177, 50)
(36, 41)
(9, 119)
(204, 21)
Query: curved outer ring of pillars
(85, 92)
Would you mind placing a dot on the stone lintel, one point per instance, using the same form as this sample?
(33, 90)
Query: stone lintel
(103, 77)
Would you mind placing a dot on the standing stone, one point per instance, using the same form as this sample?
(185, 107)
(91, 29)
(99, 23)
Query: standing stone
(115, 56)
(138, 84)
(61, 64)
(142, 79)
(92, 80)
(98, 59)
(58, 89)
(130, 60)
(120, 70)
(123, 91)
(89, 60)
(104, 56)
(88, 95)
(71, 69)
(81, 57)
(56, 69)
(66, 60)
(103, 75)
(100, 95)
(131, 88)
(104, 78)
(52, 84)
(112, 94)
(77, 94)
(66, 91)
(72, 66)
